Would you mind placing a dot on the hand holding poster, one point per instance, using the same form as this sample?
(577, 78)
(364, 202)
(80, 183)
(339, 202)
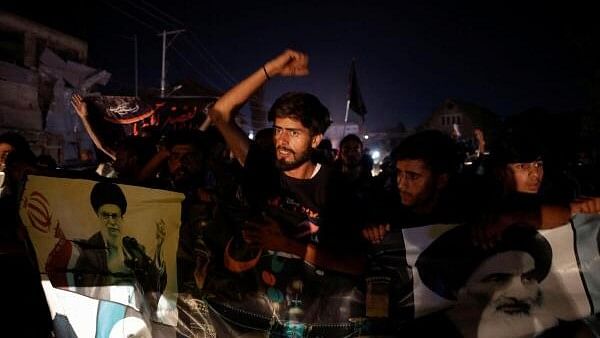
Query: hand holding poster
(109, 250)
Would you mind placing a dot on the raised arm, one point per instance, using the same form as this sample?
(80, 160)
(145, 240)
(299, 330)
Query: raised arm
(152, 167)
(550, 216)
(81, 109)
(288, 63)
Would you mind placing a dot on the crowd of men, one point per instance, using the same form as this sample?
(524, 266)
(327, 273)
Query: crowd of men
(246, 199)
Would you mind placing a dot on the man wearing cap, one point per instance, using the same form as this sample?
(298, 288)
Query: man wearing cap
(497, 291)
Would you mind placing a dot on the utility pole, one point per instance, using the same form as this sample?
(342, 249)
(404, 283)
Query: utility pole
(135, 61)
(164, 52)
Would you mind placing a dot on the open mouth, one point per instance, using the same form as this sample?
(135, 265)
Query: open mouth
(405, 196)
(514, 308)
(284, 152)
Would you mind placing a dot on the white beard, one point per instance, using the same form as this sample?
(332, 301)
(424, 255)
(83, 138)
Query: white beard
(499, 324)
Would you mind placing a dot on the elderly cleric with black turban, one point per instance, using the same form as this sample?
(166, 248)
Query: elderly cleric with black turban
(496, 289)
(108, 257)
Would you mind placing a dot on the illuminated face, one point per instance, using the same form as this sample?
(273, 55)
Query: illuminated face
(177, 155)
(509, 296)
(351, 153)
(416, 183)
(111, 220)
(528, 176)
(5, 149)
(293, 143)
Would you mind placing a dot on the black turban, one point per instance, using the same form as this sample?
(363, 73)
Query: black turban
(446, 265)
(108, 193)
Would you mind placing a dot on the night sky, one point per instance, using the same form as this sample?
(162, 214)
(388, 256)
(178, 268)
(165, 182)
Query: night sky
(409, 57)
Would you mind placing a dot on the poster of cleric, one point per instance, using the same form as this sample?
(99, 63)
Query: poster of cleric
(527, 283)
(112, 243)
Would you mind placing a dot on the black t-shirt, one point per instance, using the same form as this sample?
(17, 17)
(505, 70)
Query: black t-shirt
(315, 210)
(302, 206)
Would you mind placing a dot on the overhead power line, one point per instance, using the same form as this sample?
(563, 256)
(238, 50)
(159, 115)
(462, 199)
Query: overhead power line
(197, 70)
(152, 15)
(215, 66)
(145, 24)
(155, 14)
(179, 22)
(227, 74)
(171, 20)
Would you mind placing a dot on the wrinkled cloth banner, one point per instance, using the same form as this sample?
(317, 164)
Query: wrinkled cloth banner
(108, 257)
(108, 252)
(525, 284)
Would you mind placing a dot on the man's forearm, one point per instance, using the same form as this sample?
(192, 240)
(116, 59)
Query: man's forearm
(237, 96)
(222, 113)
(543, 217)
(96, 140)
(552, 216)
(288, 63)
(152, 166)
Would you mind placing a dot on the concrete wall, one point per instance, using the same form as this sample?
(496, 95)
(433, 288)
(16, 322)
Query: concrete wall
(33, 31)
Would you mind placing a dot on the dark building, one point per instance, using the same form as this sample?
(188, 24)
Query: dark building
(457, 116)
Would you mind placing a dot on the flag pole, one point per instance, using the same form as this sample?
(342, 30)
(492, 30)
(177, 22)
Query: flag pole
(346, 116)
(349, 97)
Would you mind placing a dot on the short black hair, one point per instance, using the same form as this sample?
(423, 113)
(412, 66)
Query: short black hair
(302, 106)
(446, 265)
(350, 138)
(439, 152)
(108, 193)
(516, 148)
(22, 150)
(191, 137)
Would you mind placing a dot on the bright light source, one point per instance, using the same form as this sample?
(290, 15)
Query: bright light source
(251, 135)
(366, 136)
(375, 155)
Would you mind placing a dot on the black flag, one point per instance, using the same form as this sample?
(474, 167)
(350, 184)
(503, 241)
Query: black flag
(356, 101)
